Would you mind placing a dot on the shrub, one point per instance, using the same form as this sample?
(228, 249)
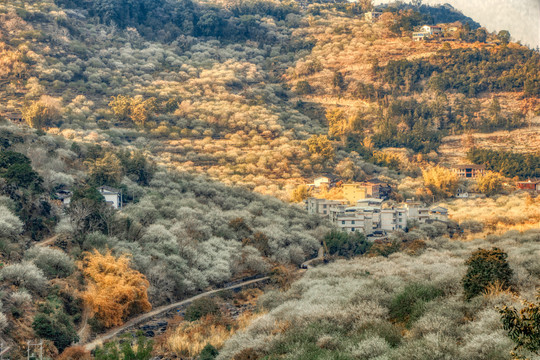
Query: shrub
(524, 326)
(55, 325)
(54, 263)
(383, 248)
(486, 267)
(139, 348)
(42, 113)
(409, 305)
(24, 275)
(114, 290)
(347, 245)
(3, 322)
(10, 225)
(200, 308)
(75, 353)
(208, 353)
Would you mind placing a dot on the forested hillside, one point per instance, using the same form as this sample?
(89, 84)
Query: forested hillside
(179, 234)
(204, 116)
(235, 89)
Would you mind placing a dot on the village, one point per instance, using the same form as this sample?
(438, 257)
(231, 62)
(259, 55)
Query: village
(367, 207)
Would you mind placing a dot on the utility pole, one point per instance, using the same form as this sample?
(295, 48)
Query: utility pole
(36, 344)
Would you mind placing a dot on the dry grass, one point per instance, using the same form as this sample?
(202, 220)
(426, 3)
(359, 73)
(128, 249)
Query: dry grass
(189, 338)
(518, 211)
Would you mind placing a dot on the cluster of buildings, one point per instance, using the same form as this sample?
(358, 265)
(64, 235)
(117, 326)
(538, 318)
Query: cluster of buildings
(369, 217)
(112, 196)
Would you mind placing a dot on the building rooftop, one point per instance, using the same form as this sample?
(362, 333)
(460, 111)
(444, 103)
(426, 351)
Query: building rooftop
(109, 189)
(471, 166)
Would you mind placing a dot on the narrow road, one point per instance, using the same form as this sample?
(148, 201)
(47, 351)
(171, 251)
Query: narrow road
(320, 256)
(47, 241)
(142, 318)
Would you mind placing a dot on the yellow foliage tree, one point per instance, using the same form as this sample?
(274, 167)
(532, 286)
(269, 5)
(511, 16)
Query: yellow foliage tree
(490, 183)
(440, 181)
(114, 291)
(321, 147)
(106, 170)
(337, 123)
(121, 107)
(300, 193)
(133, 108)
(42, 113)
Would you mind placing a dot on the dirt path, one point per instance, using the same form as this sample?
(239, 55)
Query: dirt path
(47, 241)
(320, 256)
(147, 316)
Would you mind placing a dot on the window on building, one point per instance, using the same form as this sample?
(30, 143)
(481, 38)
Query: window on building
(324, 206)
(324, 212)
(400, 219)
(352, 229)
(352, 222)
(343, 222)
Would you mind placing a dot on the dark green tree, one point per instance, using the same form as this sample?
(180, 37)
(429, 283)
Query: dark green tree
(485, 268)
(344, 244)
(504, 36)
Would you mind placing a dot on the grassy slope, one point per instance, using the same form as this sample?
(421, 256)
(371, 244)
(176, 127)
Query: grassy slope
(342, 310)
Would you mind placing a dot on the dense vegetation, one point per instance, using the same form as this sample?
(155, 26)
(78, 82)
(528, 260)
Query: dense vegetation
(507, 163)
(178, 234)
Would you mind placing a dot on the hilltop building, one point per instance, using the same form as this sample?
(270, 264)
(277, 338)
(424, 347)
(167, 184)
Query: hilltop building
(370, 189)
(427, 31)
(431, 30)
(327, 181)
(469, 171)
(64, 196)
(372, 16)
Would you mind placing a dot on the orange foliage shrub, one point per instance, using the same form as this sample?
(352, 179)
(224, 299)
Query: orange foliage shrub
(114, 290)
(75, 353)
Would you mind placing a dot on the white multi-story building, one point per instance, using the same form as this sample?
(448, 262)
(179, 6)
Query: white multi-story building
(352, 219)
(416, 211)
(393, 219)
(321, 207)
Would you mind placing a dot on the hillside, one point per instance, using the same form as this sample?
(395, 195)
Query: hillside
(235, 91)
(404, 306)
(151, 150)
(181, 234)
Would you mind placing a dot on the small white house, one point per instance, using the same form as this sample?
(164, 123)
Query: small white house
(112, 196)
(64, 196)
(431, 30)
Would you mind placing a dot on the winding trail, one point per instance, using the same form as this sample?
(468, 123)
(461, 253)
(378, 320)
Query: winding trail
(47, 241)
(149, 315)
